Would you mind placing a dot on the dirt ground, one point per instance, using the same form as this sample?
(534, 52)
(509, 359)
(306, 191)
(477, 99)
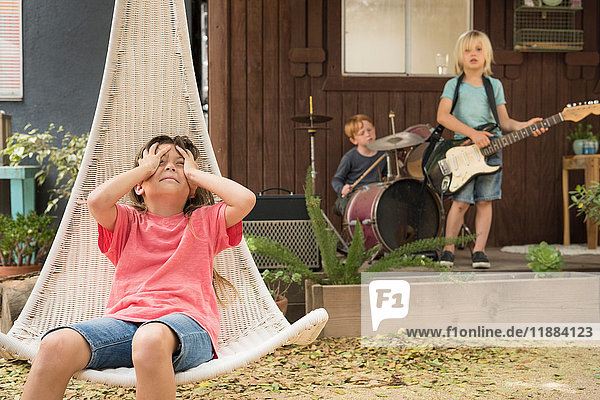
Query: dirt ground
(343, 369)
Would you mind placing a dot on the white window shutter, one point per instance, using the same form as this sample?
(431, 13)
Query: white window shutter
(11, 51)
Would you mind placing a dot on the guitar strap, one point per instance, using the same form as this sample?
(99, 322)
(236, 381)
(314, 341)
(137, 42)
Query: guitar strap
(487, 84)
(437, 132)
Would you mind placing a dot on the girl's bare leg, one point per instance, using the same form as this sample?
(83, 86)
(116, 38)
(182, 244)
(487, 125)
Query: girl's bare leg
(152, 350)
(61, 354)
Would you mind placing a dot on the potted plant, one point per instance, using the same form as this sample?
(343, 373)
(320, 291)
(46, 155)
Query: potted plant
(584, 140)
(544, 258)
(40, 145)
(279, 281)
(587, 201)
(24, 242)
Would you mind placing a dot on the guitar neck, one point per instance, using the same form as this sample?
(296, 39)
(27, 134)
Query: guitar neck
(513, 137)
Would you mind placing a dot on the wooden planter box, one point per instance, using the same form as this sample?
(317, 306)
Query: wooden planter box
(342, 303)
(492, 298)
(14, 271)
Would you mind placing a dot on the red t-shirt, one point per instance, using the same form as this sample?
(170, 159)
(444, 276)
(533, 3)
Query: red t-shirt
(162, 267)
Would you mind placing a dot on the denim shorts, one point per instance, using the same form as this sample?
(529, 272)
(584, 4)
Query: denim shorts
(110, 341)
(483, 187)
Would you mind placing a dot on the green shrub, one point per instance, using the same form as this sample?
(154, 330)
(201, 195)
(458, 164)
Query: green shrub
(587, 201)
(65, 156)
(279, 281)
(25, 240)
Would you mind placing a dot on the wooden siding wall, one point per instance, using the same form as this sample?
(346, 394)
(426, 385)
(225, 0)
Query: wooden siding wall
(265, 60)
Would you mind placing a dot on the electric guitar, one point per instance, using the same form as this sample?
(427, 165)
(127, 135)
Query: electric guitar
(452, 165)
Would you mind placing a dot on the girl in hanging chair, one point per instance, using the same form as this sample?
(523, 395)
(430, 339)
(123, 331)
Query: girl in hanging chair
(162, 314)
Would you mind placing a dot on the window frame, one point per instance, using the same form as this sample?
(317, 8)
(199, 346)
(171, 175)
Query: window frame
(19, 95)
(408, 46)
(336, 80)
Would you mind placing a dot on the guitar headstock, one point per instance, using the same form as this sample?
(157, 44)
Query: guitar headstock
(578, 111)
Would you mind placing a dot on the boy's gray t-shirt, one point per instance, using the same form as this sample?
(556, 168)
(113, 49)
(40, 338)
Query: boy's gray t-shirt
(472, 107)
(353, 165)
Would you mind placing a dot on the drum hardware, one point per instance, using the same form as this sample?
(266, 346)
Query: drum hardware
(392, 116)
(388, 161)
(366, 221)
(341, 240)
(311, 119)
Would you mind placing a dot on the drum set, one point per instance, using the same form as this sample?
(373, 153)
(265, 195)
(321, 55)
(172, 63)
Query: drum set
(401, 208)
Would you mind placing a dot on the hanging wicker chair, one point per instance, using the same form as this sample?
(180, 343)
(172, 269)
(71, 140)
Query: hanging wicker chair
(148, 88)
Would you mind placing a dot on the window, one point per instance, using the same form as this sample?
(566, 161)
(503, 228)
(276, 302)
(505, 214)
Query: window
(11, 59)
(402, 37)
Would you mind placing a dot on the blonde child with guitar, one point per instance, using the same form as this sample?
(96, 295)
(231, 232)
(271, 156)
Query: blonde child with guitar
(462, 113)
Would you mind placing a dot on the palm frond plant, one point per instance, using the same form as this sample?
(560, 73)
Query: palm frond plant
(341, 270)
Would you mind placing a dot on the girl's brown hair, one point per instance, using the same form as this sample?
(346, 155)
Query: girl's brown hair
(201, 198)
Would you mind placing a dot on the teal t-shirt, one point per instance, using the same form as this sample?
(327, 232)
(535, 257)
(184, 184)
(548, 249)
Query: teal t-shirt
(472, 106)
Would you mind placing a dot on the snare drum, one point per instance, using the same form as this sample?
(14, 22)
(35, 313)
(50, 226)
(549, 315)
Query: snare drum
(394, 213)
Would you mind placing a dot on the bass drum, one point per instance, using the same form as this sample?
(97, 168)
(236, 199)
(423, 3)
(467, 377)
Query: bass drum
(389, 213)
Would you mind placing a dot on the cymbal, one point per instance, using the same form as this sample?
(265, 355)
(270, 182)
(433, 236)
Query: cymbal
(316, 119)
(311, 127)
(396, 141)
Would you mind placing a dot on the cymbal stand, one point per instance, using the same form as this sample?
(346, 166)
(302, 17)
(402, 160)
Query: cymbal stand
(388, 159)
(311, 132)
(391, 116)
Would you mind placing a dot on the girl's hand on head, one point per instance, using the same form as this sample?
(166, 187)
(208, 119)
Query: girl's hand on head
(151, 158)
(189, 165)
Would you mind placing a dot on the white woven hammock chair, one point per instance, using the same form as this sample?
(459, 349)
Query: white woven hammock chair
(148, 88)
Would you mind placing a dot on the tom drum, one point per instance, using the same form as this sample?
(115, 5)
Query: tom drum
(414, 160)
